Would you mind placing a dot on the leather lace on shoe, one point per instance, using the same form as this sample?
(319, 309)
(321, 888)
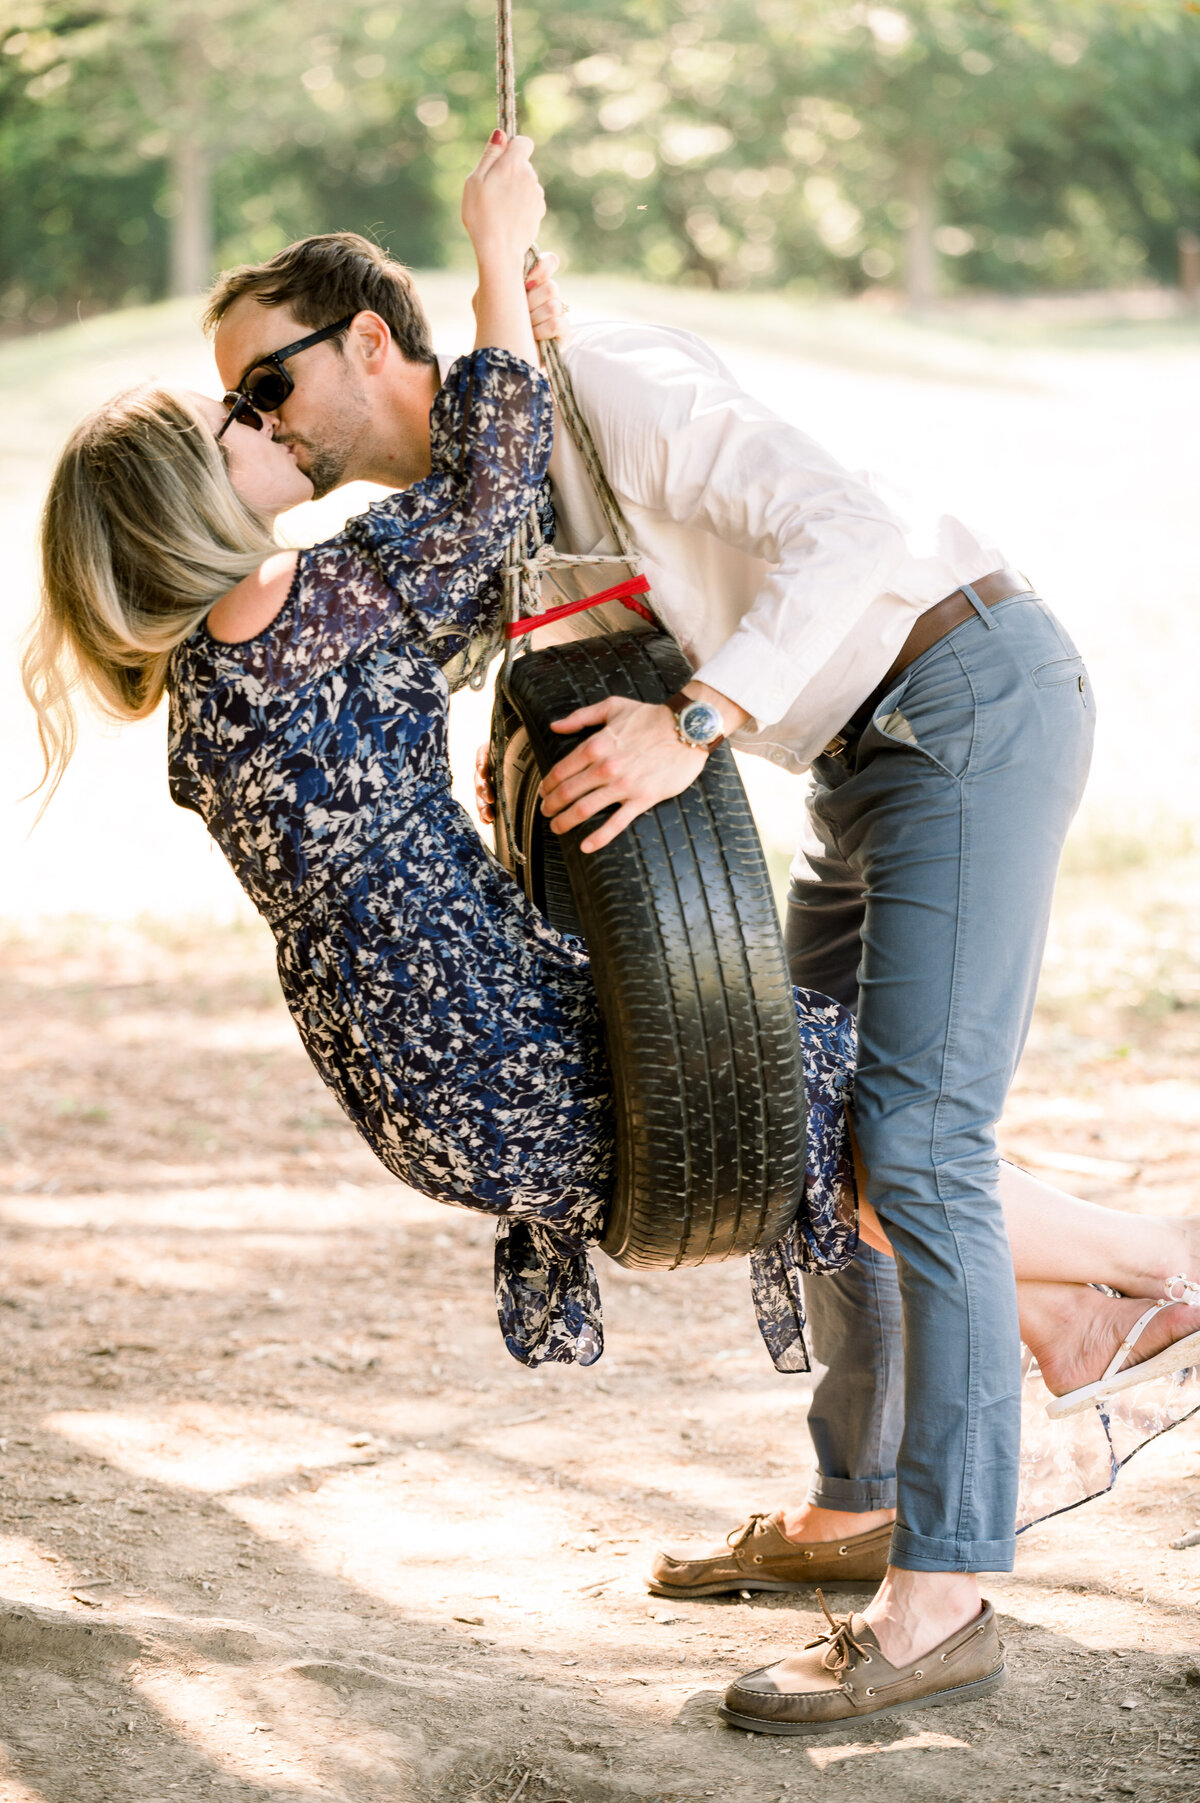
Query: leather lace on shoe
(737, 1537)
(837, 1658)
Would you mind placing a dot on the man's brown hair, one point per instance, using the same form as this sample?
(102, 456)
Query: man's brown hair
(325, 278)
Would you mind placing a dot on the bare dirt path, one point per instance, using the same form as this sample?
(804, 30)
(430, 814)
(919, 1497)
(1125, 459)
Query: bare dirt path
(280, 1519)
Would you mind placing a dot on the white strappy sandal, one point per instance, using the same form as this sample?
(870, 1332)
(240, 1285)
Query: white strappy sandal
(1119, 1376)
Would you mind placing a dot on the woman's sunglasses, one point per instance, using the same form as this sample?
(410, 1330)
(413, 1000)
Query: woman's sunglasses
(266, 385)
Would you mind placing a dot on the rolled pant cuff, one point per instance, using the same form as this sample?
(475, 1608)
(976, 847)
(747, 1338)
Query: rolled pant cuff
(915, 1552)
(852, 1495)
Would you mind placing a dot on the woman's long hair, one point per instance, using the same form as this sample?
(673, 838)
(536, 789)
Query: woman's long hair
(142, 534)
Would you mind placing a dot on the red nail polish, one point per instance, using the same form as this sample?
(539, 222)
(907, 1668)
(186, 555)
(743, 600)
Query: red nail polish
(497, 137)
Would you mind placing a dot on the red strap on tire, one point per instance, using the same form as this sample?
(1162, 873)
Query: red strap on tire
(623, 592)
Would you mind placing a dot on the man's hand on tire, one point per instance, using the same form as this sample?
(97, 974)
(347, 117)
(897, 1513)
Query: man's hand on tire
(632, 763)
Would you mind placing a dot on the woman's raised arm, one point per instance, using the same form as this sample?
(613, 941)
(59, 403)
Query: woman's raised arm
(437, 543)
(502, 206)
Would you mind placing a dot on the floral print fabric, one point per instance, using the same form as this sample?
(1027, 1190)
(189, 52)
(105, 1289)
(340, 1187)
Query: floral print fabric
(459, 1031)
(824, 1234)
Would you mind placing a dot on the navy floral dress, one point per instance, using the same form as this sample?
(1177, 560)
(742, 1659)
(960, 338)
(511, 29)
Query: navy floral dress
(459, 1031)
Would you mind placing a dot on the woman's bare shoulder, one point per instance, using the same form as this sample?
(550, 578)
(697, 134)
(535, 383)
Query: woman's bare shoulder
(249, 608)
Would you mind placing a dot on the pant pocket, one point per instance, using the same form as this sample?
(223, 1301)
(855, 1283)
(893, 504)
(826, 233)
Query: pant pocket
(1063, 672)
(933, 714)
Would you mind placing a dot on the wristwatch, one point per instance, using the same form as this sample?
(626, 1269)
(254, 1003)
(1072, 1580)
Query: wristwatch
(698, 724)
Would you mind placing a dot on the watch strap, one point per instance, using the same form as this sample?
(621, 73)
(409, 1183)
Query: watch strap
(677, 703)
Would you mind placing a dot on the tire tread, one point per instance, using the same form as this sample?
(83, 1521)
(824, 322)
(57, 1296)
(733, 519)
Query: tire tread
(683, 934)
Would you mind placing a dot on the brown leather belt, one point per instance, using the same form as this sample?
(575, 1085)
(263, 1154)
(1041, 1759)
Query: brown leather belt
(930, 627)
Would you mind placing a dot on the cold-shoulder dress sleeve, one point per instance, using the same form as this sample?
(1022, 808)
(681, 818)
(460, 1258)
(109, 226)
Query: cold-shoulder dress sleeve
(421, 567)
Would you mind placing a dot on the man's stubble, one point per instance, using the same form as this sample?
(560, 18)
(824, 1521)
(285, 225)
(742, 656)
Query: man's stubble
(334, 457)
(325, 467)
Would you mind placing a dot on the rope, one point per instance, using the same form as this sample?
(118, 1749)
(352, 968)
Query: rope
(528, 556)
(506, 80)
(552, 357)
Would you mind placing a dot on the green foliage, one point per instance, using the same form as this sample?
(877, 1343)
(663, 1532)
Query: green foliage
(1011, 143)
(1049, 141)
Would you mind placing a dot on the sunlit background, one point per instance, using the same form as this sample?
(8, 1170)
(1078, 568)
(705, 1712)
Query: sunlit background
(933, 147)
(258, 1434)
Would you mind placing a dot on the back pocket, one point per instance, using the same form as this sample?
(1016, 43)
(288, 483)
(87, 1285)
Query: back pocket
(1063, 669)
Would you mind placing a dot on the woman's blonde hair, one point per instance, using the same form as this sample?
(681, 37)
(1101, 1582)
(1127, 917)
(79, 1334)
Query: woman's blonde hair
(142, 534)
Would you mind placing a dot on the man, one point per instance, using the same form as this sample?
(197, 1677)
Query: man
(948, 725)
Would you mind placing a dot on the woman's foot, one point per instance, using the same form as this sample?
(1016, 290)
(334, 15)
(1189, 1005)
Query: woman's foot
(1074, 1332)
(1171, 1246)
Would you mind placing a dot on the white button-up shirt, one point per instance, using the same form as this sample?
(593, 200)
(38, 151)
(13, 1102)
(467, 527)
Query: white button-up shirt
(788, 582)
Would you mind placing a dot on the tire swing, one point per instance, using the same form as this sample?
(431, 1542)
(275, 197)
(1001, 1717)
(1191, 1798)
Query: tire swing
(677, 913)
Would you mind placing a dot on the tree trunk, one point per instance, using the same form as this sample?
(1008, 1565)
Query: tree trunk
(921, 273)
(695, 259)
(191, 164)
(1189, 266)
(191, 226)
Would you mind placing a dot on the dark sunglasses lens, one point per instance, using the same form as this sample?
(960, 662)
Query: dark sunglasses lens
(241, 411)
(267, 389)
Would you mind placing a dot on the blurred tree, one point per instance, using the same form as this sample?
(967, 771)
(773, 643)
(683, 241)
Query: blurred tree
(947, 143)
(223, 121)
(767, 140)
(1031, 138)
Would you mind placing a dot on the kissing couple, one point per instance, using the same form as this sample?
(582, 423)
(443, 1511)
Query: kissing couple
(946, 720)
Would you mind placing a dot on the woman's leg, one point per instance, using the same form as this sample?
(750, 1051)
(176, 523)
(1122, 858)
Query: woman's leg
(1062, 1245)
(1057, 1239)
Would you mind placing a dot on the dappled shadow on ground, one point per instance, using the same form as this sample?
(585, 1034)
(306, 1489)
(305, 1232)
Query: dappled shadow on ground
(280, 1519)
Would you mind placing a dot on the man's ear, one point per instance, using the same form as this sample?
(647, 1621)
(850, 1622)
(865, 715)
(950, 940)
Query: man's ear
(369, 341)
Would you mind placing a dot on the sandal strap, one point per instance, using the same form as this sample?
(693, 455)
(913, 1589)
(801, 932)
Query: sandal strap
(1132, 1337)
(1183, 1289)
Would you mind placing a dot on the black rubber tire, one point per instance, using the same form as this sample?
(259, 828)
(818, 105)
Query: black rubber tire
(540, 869)
(681, 926)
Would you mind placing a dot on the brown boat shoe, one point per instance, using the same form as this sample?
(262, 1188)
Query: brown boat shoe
(759, 1556)
(842, 1677)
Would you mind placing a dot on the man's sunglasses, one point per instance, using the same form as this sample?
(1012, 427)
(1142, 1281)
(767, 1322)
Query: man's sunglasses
(266, 385)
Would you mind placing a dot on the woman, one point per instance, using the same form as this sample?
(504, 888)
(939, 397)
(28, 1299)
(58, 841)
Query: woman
(308, 695)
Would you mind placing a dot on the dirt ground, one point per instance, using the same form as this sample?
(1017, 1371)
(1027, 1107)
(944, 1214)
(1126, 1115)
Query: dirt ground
(280, 1519)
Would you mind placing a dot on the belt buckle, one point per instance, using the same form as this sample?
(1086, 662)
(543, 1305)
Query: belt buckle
(838, 743)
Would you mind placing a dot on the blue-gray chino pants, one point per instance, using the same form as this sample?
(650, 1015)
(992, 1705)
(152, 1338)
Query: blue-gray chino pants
(925, 888)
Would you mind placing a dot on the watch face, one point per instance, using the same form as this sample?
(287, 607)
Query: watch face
(700, 722)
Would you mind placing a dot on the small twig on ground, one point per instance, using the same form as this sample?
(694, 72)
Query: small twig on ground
(598, 1583)
(520, 1787)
